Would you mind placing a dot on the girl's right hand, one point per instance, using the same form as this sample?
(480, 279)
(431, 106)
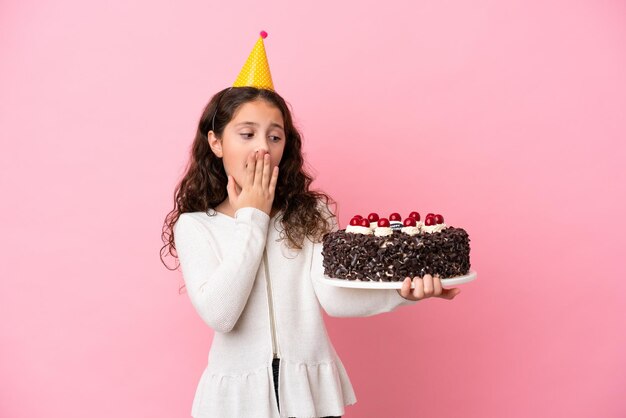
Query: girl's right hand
(426, 287)
(258, 187)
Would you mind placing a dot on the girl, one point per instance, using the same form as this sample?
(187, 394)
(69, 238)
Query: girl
(247, 232)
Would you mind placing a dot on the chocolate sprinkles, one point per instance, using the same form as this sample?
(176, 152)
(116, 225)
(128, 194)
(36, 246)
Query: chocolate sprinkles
(392, 258)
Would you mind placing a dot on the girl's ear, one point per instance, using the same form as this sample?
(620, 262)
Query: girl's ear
(215, 144)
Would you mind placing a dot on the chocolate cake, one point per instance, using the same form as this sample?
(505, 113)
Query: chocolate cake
(383, 249)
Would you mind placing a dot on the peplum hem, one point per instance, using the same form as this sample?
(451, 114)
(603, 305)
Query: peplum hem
(235, 395)
(305, 390)
(311, 390)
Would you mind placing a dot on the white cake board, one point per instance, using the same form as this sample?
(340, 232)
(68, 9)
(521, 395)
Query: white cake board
(360, 284)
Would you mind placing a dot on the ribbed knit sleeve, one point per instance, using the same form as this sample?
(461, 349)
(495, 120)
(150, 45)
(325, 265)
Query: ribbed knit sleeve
(219, 290)
(350, 302)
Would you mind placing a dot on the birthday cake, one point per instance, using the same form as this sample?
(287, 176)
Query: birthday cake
(390, 249)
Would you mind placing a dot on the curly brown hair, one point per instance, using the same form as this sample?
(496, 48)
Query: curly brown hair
(203, 185)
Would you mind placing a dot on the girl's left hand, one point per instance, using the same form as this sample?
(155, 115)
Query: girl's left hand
(426, 287)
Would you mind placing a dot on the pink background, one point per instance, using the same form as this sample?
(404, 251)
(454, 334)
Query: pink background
(506, 117)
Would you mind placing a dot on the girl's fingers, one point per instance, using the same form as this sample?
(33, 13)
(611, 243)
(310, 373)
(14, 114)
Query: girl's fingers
(418, 291)
(250, 170)
(266, 172)
(438, 288)
(258, 169)
(428, 285)
(273, 181)
(405, 291)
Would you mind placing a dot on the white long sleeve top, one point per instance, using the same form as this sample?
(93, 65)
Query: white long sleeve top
(263, 300)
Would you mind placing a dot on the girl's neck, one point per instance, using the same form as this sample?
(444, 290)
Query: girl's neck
(226, 209)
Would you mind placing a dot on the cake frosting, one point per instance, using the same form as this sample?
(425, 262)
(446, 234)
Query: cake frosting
(410, 230)
(358, 229)
(434, 228)
(383, 231)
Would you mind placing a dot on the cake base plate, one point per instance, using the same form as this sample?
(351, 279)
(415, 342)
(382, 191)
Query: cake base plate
(360, 284)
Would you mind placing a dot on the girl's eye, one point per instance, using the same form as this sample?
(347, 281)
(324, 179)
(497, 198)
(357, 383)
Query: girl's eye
(249, 135)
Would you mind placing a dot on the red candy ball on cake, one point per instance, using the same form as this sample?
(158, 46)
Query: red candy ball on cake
(395, 217)
(414, 215)
(430, 220)
(372, 217)
(358, 216)
(383, 222)
(439, 219)
(410, 221)
(355, 221)
(365, 222)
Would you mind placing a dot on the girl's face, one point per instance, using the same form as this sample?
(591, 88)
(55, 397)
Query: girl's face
(256, 125)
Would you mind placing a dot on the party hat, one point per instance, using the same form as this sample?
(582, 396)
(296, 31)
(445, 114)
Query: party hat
(256, 70)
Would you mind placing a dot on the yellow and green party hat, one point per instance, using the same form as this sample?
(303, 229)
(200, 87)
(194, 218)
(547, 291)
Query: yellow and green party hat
(256, 70)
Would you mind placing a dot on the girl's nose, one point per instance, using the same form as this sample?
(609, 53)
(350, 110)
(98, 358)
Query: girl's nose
(263, 148)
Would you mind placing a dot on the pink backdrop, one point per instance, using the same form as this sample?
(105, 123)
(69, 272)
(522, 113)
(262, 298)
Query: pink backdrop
(506, 117)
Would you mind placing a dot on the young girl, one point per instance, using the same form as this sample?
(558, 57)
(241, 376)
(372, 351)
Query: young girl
(247, 231)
